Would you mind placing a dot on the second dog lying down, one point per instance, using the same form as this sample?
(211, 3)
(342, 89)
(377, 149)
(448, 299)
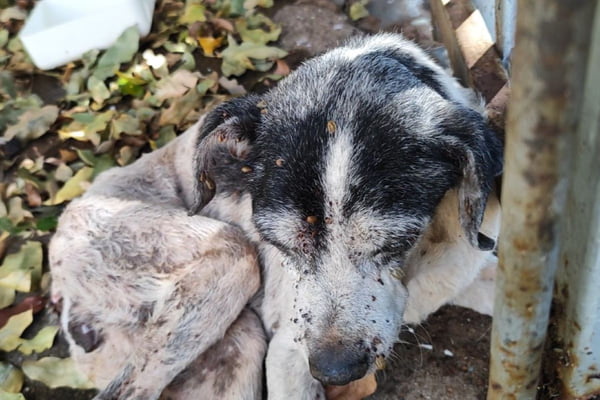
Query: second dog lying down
(361, 181)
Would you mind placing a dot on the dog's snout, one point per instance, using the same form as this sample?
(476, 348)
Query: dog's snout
(338, 366)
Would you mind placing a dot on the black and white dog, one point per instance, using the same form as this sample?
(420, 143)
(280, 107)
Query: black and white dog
(359, 186)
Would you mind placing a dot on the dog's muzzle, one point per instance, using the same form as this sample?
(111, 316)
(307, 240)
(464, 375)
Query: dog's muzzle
(337, 365)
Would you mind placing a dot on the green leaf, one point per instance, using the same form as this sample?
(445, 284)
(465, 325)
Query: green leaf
(87, 156)
(237, 58)
(57, 372)
(99, 163)
(47, 223)
(22, 270)
(6, 225)
(11, 379)
(74, 187)
(7, 297)
(10, 334)
(131, 85)
(3, 37)
(73, 87)
(124, 123)
(122, 51)
(358, 10)
(7, 85)
(11, 396)
(165, 135)
(104, 162)
(42, 341)
(188, 61)
(257, 29)
(193, 12)
(204, 85)
(32, 124)
(86, 127)
(237, 8)
(98, 90)
(251, 4)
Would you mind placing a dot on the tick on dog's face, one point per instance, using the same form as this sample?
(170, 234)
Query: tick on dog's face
(351, 155)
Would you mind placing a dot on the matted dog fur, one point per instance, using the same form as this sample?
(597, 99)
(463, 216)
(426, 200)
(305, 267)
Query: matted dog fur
(303, 227)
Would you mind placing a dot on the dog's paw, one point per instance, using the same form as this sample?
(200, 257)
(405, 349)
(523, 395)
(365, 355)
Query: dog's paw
(412, 315)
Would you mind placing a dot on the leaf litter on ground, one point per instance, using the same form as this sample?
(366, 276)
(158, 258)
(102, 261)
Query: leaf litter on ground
(104, 110)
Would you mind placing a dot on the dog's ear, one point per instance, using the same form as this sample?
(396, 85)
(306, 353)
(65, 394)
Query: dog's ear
(477, 152)
(227, 132)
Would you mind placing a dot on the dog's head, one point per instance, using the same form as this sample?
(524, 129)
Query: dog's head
(350, 155)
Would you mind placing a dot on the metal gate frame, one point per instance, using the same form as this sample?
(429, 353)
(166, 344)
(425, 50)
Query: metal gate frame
(550, 238)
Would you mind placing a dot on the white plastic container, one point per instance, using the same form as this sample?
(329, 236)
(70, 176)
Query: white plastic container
(59, 31)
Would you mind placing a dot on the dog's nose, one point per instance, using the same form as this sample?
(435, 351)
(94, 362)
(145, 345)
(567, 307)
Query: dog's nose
(338, 366)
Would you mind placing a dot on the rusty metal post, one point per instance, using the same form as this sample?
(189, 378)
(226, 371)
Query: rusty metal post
(577, 313)
(506, 17)
(550, 59)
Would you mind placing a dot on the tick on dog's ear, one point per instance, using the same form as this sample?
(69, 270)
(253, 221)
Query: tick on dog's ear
(477, 151)
(227, 131)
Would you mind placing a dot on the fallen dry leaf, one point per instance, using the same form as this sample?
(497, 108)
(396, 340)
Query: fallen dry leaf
(22, 270)
(257, 29)
(16, 212)
(358, 10)
(179, 108)
(11, 396)
(11, 379)
(34, 303)
(232, 86)
(122, 51)
(237, 58)
(224, 24)
(7, 297)
(33, 195)
(126, 124)
(98, 90)
(209, 44)
(73, 187)
(32, 124)
(10, 333)
(355, 390)
(176, 85)
(281, 68)
(41, 342)
(194, 11)
(56, 372)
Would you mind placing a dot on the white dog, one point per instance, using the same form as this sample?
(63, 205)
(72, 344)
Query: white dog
(358, 185)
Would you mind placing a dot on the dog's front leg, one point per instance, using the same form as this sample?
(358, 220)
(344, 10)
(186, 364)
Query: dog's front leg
(288, 374)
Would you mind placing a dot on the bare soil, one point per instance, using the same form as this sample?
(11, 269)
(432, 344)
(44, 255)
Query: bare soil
(446, 358)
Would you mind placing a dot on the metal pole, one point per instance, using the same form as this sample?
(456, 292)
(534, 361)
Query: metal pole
(506, 17)
(577, 314)
(550, 57)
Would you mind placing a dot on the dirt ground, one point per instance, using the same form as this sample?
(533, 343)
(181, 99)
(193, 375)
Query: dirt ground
(447, 357)
(444, 359)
